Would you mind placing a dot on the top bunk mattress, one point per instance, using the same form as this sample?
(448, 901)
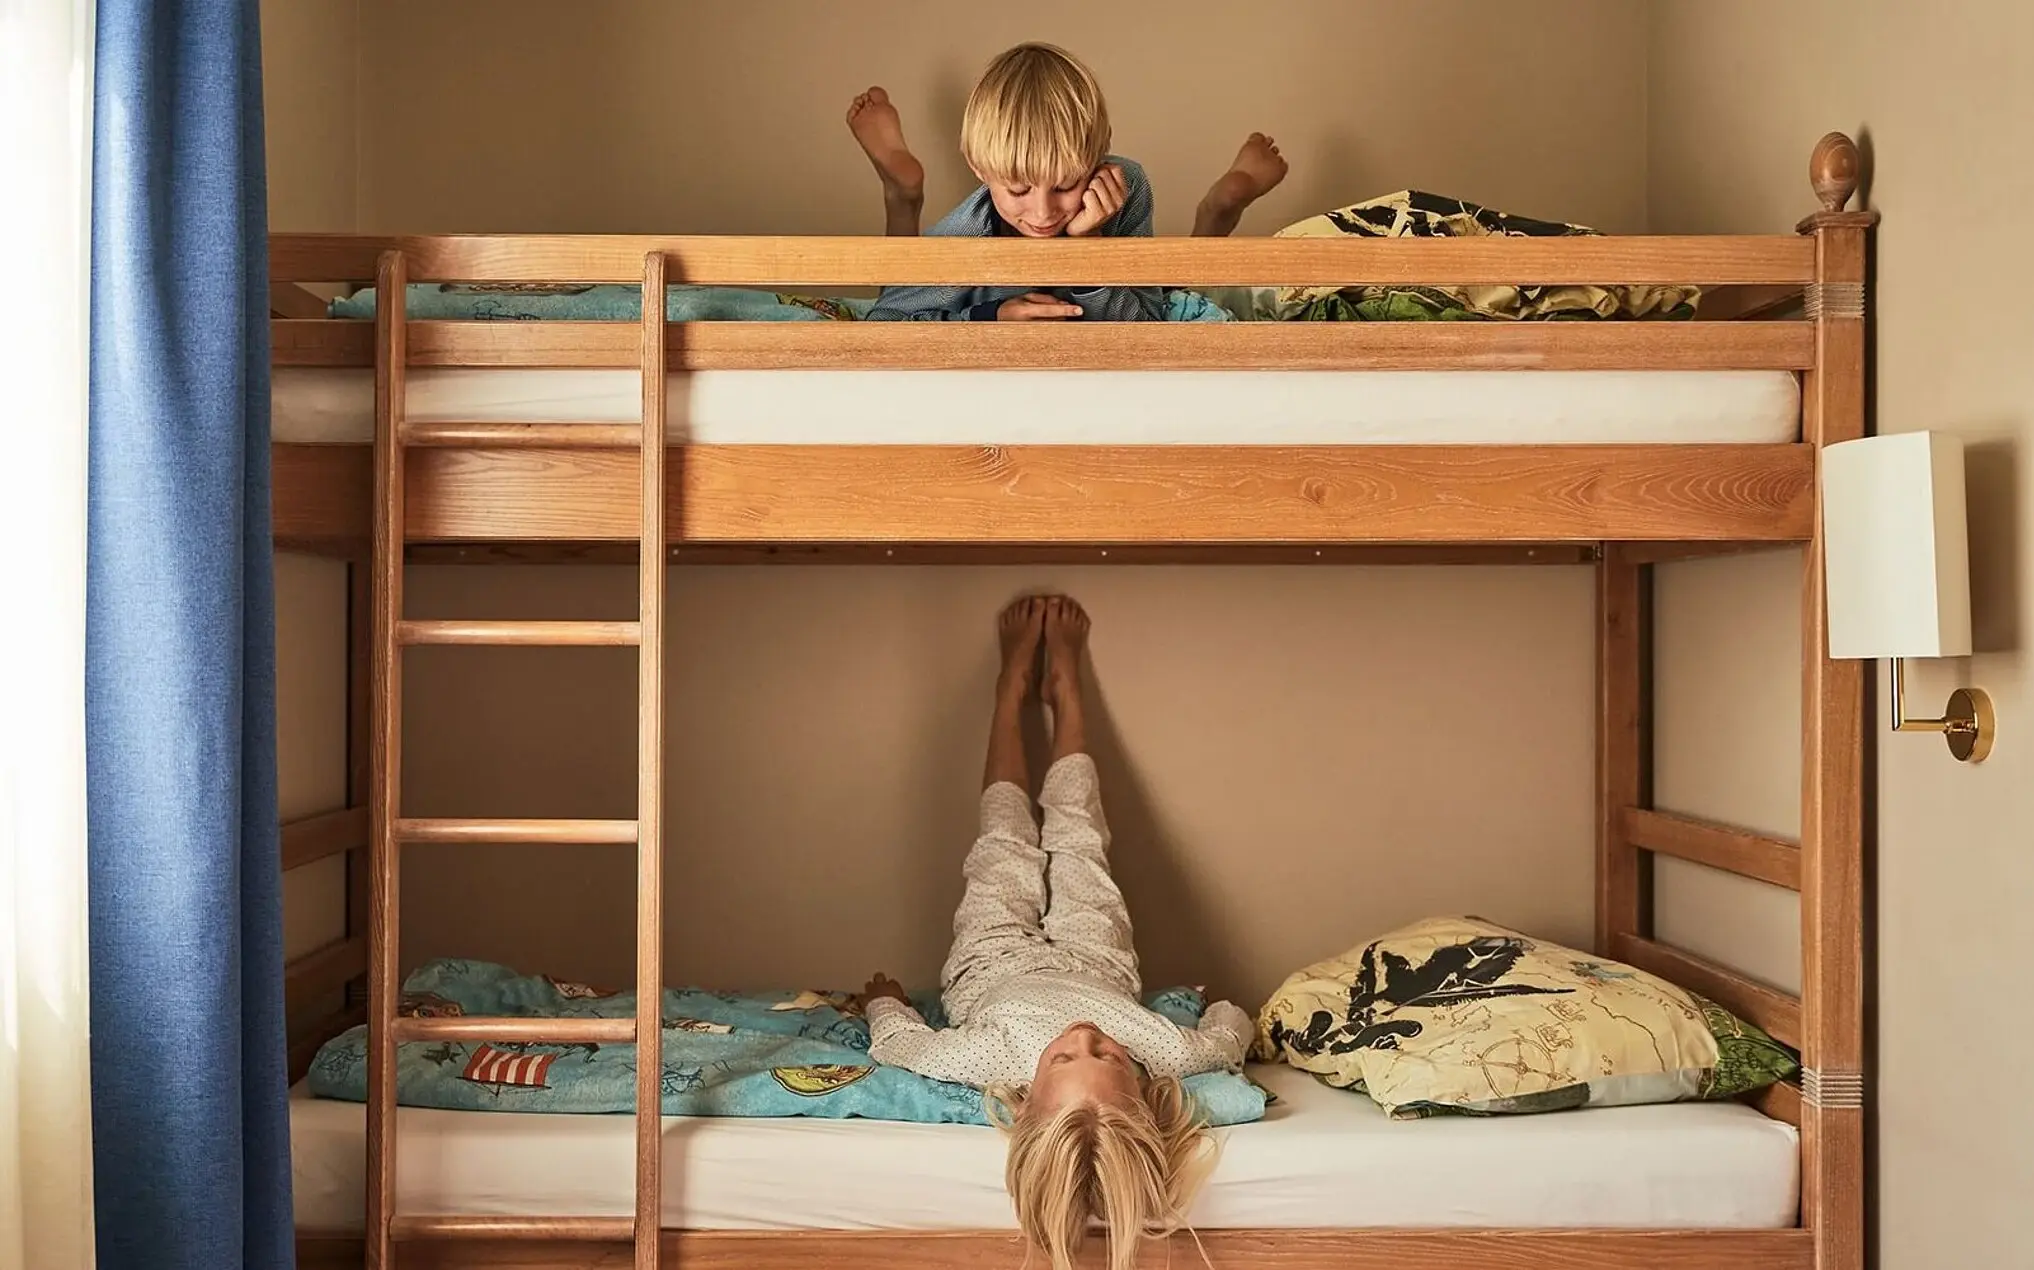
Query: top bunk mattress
(1043, 407)
(1321, 1159)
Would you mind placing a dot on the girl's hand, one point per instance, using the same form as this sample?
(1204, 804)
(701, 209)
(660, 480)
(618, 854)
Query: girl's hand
(881, 985)
(1036, 306)
(1104, 197)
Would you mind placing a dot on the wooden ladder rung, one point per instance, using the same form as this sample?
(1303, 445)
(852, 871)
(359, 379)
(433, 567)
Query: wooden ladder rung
(512, 634)
(510, 1029)
(472, 829)
(523, 436)
(613, 1229)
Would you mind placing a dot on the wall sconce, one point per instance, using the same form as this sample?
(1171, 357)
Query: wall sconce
(1896, 556)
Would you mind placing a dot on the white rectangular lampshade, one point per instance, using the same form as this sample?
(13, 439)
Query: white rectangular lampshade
(1896, 546)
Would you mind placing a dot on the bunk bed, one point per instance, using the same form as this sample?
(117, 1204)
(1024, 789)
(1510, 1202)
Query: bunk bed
(379, 459)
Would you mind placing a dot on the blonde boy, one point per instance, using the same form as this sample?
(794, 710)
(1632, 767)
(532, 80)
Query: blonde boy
(1036, 133)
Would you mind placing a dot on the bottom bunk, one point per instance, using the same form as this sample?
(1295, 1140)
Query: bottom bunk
(1322, 1160)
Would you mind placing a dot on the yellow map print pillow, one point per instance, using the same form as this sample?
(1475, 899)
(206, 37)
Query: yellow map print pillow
(1458, 1015)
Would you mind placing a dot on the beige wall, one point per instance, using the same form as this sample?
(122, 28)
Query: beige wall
(719, 117)
(1739, 91)
(1296, 758)
(310, 65)
(1292, 758)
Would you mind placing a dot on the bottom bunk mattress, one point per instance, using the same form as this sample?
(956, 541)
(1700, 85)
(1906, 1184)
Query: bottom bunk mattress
(1036, 407)
(1320, 1159)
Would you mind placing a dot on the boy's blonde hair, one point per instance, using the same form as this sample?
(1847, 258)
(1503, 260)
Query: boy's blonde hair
(1036, 117)
(1135, 1167)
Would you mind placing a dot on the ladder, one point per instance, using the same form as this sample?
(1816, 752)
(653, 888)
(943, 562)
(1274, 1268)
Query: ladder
(391, 830)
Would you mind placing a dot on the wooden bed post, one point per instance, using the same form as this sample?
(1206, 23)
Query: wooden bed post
(1623, 744)
(1832, 754)
(359, 766)
(385, 752)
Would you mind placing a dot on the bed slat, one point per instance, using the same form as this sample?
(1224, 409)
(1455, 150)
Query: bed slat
(1711, 259)
(1129, 346)
(309, 1039)
(1778, 1013)
(1780, 1101)
(1717, 846)
(1172, 498)
(1268, 1249)
(865, 553)
(323, 972)
(316, 837)
(1157, 494)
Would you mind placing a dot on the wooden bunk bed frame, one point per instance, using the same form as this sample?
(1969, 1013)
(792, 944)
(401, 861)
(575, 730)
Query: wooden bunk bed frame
(484, 492)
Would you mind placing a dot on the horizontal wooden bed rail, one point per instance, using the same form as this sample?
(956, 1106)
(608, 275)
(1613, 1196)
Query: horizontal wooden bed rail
(1226, 1249)
(700, 346)
(308, 1039)
(324, 971)
(1781, 1101)
(920, 554)
(1718, 846)
(1777, 1012)
(327, 834)
(1148, 262)
(1046, 494)
(1738, 304)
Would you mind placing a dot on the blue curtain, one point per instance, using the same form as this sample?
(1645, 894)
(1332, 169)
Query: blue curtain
(189, 1081)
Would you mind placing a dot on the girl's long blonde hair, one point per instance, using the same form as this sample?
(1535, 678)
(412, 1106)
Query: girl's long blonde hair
(1136, 1167)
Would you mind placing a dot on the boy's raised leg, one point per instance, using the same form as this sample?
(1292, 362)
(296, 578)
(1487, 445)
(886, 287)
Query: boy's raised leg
(1258, 168)
(876, 126)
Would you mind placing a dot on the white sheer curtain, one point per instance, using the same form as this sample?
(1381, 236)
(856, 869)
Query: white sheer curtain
(45, 220)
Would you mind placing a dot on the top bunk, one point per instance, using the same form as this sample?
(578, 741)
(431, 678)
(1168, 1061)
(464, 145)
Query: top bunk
(513, 367)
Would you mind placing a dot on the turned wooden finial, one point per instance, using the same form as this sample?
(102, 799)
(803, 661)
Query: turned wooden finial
(1833, 170)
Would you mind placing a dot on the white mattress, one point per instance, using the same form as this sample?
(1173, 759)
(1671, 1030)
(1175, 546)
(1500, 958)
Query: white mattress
(980, 407)
(1321, 1159)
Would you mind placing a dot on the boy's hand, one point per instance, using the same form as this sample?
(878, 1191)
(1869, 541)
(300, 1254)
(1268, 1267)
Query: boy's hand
(1103, 198)
(1036, 306)
(881, 985)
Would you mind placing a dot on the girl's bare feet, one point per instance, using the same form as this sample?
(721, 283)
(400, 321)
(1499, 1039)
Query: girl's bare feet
(1018, 630)
(1066, 637)
(1258, 169)
(876, 126)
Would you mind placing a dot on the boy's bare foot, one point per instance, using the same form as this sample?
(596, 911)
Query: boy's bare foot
(1258, 169)
(1019, 630)
(876, 126)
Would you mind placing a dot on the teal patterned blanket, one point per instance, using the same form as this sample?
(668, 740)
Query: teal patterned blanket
(620, 302)
(725, 1054)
